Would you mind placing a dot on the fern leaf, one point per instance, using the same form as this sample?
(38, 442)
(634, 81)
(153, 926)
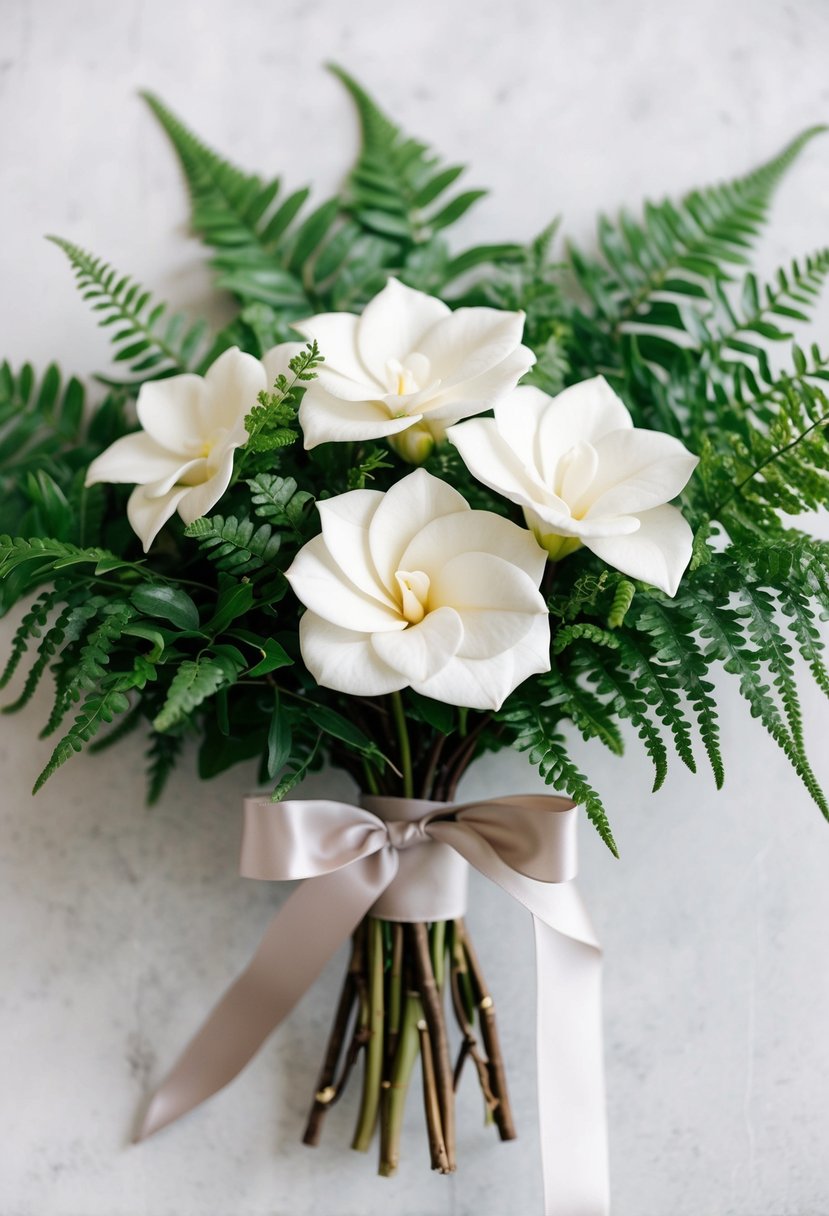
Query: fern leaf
(655, 683)
(149, 342)
(671, 633)
(235, 546)
(654, 276)
(548, 751)
(278, 501)
(261, 255)
(101, 706)
(30, 627)
(162, 754)
(628, 701)
(397, 188)
(587, 713)
(195, 681)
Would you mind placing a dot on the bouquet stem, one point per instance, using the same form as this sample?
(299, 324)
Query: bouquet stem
(373, 1073)
(394, 995)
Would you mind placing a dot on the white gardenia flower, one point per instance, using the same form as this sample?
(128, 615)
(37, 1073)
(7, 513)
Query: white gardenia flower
(408, 364)
(182, 458)
(413, 588)
(585, 475)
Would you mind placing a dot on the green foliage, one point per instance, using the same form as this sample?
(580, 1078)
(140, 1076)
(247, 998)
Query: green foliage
(201, 640)
(263, 252)
(535, 733)
(148, 341)
(397, 187)
(364, 472)
(194, 682)
(272, 423)
(278, 500)
(233, 545)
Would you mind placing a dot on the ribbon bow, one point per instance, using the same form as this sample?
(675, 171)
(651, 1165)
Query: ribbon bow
(350, 856)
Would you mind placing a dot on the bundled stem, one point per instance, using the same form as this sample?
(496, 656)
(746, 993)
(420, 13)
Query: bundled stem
(396, 981)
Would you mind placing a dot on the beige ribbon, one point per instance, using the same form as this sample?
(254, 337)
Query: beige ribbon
(350, 857)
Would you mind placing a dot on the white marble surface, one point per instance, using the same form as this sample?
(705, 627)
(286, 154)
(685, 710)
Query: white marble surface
(119, 925)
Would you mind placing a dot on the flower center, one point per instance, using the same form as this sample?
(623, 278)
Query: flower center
(405, 378)
(573, 477)
(414, 594)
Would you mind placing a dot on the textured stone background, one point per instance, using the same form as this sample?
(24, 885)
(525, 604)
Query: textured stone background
(120, 925)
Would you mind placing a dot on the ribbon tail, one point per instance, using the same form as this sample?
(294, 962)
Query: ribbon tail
(571, 1091)
(312, 924)
(571, 1095)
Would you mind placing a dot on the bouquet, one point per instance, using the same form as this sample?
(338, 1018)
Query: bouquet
(413, 504)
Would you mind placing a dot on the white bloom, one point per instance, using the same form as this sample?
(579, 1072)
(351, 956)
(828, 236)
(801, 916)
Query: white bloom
(408, 364)
(182, 458)
(412, 587)
(585, 475)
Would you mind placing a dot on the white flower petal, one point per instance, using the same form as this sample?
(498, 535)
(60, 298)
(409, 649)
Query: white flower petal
(342, 373)
(345, 522)
(481, 392)
(326, 419)
(575, 473)
(473, 532)
(473, 683)
(405, 510)
(546, 521)
(471, 341)
(486, 683)
(531, 655)
(496, 601)
(638, 470)
(148, 515)
(518, 418)
(494, 462)
(345, 660)
(275, 361)
(658, 553)
(321, 585)
(192, 472)
(201, 499)
(585, 411)
(420, 651)
(133, 458)
(394, 324)
(172, 412)
(233, 383)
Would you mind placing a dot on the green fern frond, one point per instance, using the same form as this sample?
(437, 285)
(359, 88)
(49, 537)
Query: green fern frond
(278, 501)
(397, 187)
(654, 276)
(74, 622)
(233, 545)
(671, 634)
(38, 418)
(162, 755)
(622, 599)
(261, 253)
(628, 700)
(43, 556)
(194, 682)
(31, 626)
(548, 752)
(566, 635)
(149, 342)
(587, 713)
(654, 683)
(101, 706)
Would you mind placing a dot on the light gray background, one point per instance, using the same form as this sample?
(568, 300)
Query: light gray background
(120, 925)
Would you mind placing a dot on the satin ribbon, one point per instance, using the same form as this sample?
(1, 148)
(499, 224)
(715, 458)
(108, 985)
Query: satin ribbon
(350, 856)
